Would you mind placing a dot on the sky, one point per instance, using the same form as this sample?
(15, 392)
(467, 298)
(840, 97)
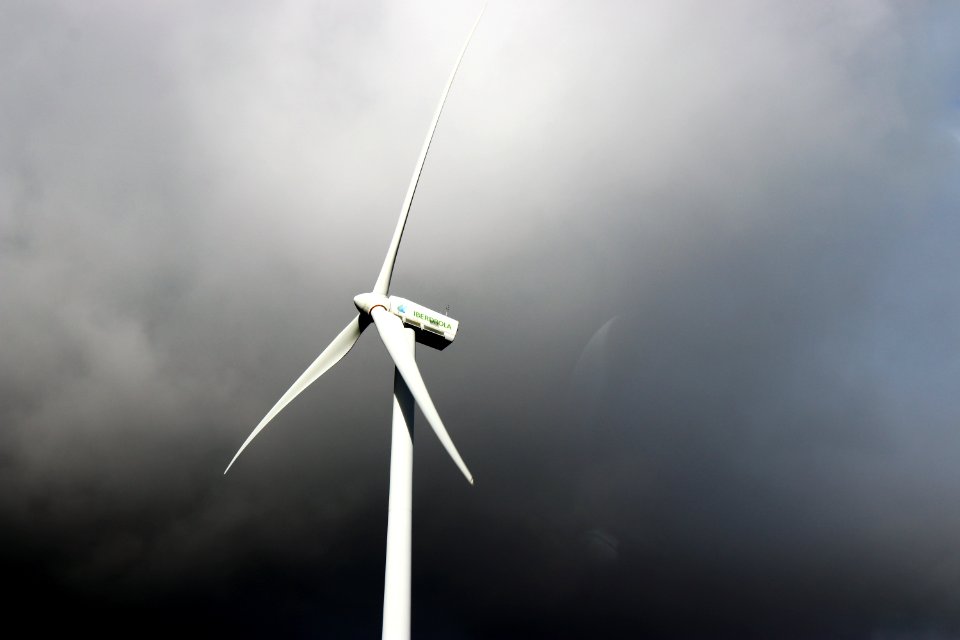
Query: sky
(703, 255)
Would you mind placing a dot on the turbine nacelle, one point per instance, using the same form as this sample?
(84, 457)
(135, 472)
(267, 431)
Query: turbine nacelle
(434, 329)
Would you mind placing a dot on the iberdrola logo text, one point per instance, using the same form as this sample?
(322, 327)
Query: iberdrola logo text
(436, 321)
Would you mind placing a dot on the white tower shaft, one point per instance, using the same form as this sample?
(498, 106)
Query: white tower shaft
(396, 580)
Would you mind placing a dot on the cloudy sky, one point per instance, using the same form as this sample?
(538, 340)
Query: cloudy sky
(705, 261)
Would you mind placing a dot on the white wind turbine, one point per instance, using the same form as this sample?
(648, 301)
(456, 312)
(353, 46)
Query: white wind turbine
(400, 324)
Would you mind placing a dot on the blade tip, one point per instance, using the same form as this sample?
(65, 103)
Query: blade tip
(232, 461)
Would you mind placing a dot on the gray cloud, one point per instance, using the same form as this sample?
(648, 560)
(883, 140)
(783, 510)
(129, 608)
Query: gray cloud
(704, 261)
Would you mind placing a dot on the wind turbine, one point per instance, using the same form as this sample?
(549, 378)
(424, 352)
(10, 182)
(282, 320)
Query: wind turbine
(400, 323)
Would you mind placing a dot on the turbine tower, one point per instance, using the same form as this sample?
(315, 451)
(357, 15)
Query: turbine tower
(400, 323)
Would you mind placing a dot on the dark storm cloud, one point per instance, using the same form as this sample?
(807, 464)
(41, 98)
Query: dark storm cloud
(704, 258)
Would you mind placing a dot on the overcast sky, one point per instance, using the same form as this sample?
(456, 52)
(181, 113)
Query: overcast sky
(704, 256)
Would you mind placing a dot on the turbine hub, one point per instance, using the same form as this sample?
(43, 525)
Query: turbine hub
(365, 302)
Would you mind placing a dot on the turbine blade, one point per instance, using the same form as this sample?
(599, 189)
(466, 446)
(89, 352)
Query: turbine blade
(329, 357)
(386, 272)
(391, 329)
